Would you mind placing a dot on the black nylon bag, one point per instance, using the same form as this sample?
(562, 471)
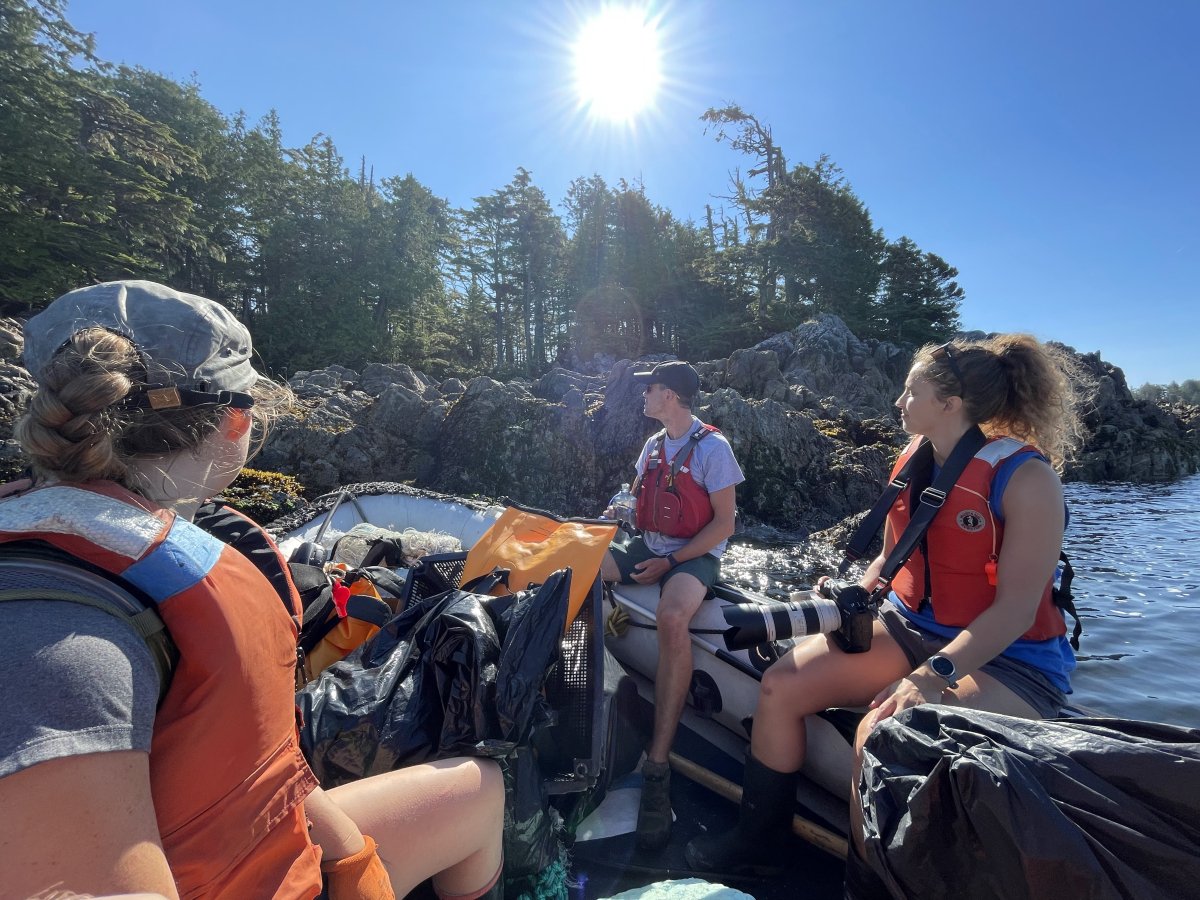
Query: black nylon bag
(458, 674)
(963, 803)
(417, 690)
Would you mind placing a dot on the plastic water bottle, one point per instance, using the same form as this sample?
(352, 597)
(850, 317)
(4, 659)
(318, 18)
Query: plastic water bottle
(624, 505)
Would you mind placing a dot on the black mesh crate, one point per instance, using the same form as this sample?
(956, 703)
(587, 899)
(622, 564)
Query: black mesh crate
(571, 750)
(435, 574)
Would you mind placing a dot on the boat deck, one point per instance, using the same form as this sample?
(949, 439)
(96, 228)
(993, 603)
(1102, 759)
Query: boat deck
(613, 864)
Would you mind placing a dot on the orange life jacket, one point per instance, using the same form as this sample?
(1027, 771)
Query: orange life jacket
(962, 539)
(227, 776)
(669, 500)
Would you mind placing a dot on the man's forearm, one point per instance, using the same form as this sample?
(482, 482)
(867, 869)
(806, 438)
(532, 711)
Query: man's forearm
(708, 538)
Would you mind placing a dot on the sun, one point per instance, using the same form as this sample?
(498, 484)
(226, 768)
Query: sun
(617, 63)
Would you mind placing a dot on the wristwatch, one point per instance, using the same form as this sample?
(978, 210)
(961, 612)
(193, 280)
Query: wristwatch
(672, 560)
(943, 666)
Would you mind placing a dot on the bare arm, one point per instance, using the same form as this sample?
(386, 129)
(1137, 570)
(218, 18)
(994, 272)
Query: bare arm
(84, 824)
(724, 504)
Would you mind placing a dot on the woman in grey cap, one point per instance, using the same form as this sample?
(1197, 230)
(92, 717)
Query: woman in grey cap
(146, 406)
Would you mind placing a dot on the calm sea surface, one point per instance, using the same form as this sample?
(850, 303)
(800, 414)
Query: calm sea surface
(1136, 553)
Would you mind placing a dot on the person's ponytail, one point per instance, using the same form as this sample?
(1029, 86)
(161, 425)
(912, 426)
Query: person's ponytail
(1012, 384)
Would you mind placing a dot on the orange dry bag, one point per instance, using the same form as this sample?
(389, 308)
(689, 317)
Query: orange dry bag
(532, 545)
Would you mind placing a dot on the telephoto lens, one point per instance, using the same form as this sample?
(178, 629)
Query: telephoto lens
(804, 613)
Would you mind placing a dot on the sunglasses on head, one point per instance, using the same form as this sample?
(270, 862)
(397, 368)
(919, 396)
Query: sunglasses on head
(948, 349)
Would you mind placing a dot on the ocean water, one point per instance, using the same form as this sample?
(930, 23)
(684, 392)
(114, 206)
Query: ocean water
(1136, 554)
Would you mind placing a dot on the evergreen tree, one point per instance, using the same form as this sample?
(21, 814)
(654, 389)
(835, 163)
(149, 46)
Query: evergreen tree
(825, 245)
(85, 181)
(920, 298)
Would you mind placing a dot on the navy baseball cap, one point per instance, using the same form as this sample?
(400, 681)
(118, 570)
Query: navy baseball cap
(676, 374)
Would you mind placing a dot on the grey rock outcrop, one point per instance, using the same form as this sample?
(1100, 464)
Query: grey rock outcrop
(563, 442)
(1131, 439)
(808, 412)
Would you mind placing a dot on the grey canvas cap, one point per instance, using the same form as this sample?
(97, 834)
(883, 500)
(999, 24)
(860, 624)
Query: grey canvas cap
(185, 340)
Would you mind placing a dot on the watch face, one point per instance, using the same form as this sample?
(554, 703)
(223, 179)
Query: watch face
(942, 665)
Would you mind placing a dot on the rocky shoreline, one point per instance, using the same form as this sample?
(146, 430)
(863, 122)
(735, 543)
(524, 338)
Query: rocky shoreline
(808, 411)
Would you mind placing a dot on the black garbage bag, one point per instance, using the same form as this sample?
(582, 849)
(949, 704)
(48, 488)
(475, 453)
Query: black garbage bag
(960, 803)
(421, 688)
(530, 625)
(531, 844)
(456, 674)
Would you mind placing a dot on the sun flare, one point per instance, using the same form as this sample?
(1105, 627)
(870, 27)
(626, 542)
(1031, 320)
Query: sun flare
(617, 59)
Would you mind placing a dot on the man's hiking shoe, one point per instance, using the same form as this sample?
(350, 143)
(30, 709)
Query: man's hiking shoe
(654, 811)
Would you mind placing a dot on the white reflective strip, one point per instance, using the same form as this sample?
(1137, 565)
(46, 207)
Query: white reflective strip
(106, 522)
(995, 451)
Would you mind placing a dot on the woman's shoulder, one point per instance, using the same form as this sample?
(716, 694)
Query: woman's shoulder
(1031, 483)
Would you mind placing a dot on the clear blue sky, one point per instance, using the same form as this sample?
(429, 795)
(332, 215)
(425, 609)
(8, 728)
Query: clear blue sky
(1048, 150)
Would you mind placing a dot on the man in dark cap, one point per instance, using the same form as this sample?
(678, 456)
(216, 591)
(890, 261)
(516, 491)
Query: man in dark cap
(686, 476)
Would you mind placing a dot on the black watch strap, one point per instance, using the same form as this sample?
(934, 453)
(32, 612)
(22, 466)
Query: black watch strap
(943, 667)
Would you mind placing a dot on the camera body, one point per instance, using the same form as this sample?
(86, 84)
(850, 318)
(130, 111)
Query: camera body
(857, 614)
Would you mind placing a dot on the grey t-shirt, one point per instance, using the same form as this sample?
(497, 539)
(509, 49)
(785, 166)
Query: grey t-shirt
(73, 680)
(713, 466)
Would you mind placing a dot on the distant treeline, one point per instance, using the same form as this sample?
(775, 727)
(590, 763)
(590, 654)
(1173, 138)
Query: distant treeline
(1188, 392)
(111, 172)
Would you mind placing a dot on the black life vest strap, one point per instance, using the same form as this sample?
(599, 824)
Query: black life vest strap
(248, 538)
(856, 548)
(929, 505)
(685, 452)
(1065, 600)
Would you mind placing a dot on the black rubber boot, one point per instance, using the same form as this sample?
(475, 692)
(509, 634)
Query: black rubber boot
(757, 845)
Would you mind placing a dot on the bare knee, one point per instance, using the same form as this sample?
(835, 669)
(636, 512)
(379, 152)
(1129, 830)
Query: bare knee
(778, 684)
(681, 598)
(672, 620)
(491, 786)
(608, 568)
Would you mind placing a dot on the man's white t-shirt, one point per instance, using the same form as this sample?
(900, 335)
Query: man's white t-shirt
(713, 467)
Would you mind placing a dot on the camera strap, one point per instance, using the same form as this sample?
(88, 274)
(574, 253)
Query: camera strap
(860, 542)
(916, 471)
(929, 503)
